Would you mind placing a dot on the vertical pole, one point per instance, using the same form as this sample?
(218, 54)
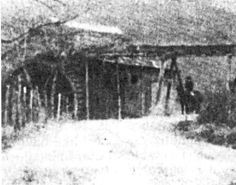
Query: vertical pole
(142, 93)
(161, 75)
(52, 94)
(118, 89)
(58, 106)
(14, 108)
(46, 102)
(228, 83)
(19, 106)
(38, 104)
(75, 106)
(67, 105)
(25, 106)
(229, 61)
(181, 88)
(87, 87)
(31, 104)
(6, 105)
(169, 83)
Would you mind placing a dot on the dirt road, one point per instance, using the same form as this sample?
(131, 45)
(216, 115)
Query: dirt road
(134, 151)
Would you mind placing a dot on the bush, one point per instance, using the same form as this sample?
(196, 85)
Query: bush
(219, 109)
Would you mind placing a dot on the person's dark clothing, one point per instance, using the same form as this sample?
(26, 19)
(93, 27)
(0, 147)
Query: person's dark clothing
(189, 84)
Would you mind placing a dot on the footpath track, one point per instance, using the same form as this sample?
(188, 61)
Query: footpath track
(108, 152)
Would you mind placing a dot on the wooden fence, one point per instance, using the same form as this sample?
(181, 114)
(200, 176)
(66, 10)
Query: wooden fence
(21, 105)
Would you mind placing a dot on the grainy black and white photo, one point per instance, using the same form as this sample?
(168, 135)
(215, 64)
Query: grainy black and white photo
(118, 92)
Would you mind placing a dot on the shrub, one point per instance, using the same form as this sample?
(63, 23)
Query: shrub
(219, 108)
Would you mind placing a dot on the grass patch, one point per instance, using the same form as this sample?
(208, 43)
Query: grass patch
(10, 135)
(216, 122)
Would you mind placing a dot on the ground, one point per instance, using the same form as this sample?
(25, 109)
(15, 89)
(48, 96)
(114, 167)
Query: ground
(109, 152)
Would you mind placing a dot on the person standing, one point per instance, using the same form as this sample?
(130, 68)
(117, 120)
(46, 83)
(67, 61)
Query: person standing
(189, 85)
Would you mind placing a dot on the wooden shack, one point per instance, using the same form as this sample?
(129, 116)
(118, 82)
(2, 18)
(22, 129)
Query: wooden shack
(117, 80)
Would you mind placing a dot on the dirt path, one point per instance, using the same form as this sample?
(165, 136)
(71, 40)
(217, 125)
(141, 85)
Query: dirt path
(137, 151)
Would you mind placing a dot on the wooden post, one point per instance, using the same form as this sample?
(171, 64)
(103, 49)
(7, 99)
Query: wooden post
(14, 108)
(19, 105)
(87, 87)
(46, 100)
(160, 80)
(142, 93)
(67, 105)
(59, 107)
(52, 94)
(38, 104)
(6, 105)
(181, 88)
(31, 104)
(25, 106)
(169, 83)
(118, 89)
(38, 98)
(229, 61)
(75, 106)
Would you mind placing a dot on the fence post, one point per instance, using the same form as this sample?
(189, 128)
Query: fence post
(118, 89)
(7, 104)
(46, 103)
(52, 94)
(75, 106)
(19, 106)
(25, 106)
(58, 106)
(14, 108)
(38, 103)
(67, 105)
(31, 104)
(87, 87)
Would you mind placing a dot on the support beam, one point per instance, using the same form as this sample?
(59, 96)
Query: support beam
(169, 84)
(118, 89)
(160, 80)
(180, 88)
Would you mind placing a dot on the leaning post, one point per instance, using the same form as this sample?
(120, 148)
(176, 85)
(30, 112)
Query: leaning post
(169, 84)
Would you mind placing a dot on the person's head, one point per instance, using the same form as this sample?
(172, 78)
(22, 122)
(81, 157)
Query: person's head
(188, 78)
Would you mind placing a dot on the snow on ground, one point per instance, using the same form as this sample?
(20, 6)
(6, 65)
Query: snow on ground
(110, 152)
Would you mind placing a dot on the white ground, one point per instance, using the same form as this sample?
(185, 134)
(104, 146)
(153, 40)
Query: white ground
(133, 152)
